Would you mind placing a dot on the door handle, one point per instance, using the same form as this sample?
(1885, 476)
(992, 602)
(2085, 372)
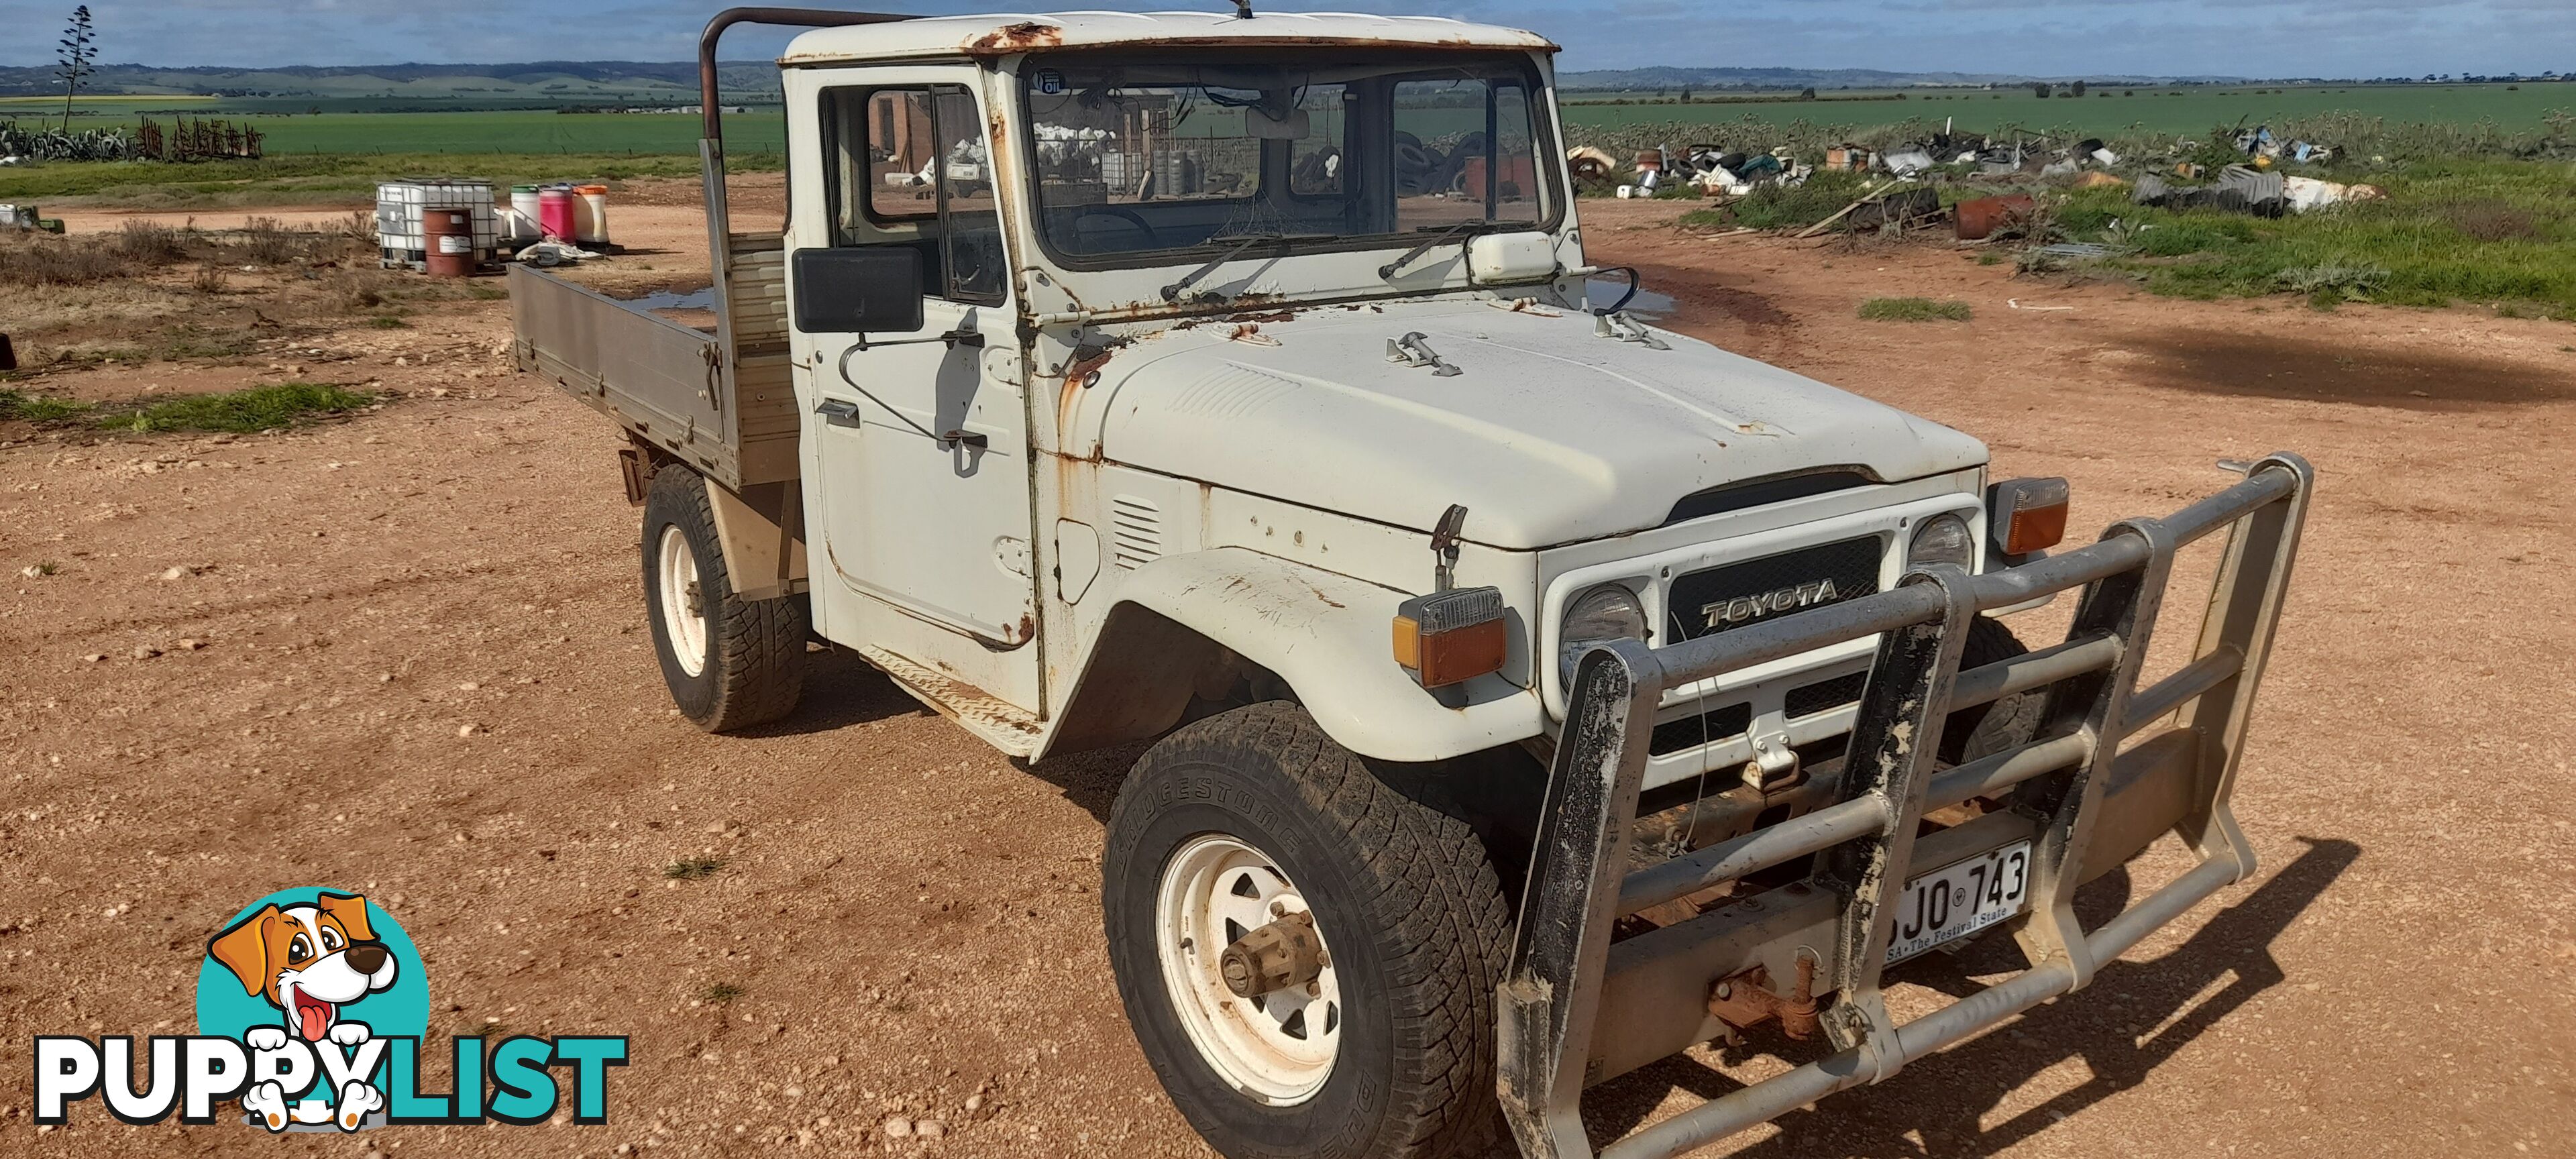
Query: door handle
(838, 412)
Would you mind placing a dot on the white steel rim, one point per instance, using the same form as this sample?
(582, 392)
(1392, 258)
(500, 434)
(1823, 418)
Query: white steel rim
(1278, 1047)
(684, 612)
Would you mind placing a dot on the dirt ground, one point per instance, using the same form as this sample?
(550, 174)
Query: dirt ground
(405, 653)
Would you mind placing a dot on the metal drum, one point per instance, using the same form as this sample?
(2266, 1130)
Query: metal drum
(448, 242)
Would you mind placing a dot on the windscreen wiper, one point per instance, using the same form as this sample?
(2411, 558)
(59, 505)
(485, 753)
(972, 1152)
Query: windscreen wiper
(1241, 242)
(1448, 233)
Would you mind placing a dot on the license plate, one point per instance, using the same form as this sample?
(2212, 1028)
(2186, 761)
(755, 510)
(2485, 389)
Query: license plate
(1960, 899)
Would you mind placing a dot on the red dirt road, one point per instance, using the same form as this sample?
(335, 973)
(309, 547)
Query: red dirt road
(421, 671)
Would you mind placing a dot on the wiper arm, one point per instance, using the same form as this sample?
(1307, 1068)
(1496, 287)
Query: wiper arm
(1242, 242)
(1447, 233)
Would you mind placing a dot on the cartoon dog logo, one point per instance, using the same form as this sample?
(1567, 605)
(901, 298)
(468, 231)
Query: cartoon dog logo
(308, 961)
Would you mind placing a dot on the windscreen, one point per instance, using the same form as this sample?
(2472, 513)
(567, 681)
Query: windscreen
(1143, 157)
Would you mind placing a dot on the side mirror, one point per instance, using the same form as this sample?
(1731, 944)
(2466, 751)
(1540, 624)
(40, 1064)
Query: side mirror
(864, 290)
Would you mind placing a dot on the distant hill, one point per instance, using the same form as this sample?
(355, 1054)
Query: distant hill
(549, 81)
(1719, 79)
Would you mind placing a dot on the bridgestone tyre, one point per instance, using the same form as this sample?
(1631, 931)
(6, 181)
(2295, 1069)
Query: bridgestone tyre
(1409, 910)
(730, 663)
(1990, 728)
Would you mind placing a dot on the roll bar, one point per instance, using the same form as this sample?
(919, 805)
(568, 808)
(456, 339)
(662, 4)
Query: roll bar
(790, 17)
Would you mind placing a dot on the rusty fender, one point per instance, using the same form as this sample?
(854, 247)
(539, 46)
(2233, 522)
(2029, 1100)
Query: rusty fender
(1329, 637)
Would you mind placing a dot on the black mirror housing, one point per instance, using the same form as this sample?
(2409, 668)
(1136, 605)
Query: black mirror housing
(859, 290)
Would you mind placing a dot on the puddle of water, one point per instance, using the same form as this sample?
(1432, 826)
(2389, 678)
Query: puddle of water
(1649, 304)
(699, 299)
(2319, 370)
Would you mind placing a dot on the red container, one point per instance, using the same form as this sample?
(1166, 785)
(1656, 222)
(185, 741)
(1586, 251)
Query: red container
(555, 212)
(1979, 219)
(1519, 177)
(447, 242)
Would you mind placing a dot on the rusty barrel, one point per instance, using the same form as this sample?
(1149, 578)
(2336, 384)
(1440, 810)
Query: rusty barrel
(1981, 217)
(447, 241)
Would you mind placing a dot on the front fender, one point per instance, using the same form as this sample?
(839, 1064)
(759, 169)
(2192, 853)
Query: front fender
(1328, 636)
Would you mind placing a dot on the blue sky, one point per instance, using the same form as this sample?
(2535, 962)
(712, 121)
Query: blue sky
(2060, 37)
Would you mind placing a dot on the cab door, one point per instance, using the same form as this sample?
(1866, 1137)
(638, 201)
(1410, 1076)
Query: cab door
(917, 457)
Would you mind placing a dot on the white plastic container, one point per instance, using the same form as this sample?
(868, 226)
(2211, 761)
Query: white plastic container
(523, 214)
(590, 215)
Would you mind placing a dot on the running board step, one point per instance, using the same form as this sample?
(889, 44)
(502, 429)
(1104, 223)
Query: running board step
(1007, 727)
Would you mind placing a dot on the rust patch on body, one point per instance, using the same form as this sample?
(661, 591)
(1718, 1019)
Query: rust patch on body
(1021, 37)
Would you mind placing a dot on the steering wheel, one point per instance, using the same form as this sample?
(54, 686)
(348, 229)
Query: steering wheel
(1122, 213)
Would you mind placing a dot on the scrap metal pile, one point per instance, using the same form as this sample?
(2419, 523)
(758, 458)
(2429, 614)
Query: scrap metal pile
(2001, 173)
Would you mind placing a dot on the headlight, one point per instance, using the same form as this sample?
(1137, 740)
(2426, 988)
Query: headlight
(1943, 539)
(1608, 612)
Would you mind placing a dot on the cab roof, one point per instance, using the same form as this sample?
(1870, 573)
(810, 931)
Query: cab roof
(1002, 35)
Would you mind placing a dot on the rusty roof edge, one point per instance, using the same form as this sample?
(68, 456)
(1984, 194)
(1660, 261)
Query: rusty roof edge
(1043, 33)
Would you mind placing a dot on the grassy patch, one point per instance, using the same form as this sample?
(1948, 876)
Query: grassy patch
(2479, 231)
(1914, 310)
(693, 868)
(258, 408)
(719, 993)
(388, 322)
(1791, 207)
(16, 404)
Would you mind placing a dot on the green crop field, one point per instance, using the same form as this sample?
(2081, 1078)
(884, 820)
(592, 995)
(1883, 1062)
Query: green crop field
(513, 131)
(2101, 112)
(2108, 109)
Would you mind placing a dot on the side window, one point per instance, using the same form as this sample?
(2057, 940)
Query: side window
(1464, 151)
(900, 146)
(970, 220)
(909, 166)
(1514, 192)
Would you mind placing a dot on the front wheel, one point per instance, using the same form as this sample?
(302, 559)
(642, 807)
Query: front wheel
(730, 663)
(1307, 954)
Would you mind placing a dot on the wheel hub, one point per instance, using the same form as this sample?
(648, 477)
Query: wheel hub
(1278, 956)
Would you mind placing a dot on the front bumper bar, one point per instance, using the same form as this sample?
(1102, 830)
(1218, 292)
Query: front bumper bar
(1577, 1009)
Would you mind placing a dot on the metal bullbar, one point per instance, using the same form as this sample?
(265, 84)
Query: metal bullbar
(1577, 1009)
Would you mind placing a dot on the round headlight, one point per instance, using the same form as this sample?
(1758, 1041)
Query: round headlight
(1608, 612)
(1943, 539)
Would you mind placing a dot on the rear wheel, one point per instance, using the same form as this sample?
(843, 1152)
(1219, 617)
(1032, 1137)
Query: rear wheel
(1307, 954)
(730, 663)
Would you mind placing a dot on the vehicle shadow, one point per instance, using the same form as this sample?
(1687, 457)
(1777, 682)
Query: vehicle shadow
(2132, 1018)
(841, 690)
(1089, 779)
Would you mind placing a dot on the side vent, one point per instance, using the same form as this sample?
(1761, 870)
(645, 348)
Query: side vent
(1135, 532)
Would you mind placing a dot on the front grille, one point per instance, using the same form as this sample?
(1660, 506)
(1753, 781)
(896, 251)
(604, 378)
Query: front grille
(1719, 598)
(1690, 732)
(1823, 695)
